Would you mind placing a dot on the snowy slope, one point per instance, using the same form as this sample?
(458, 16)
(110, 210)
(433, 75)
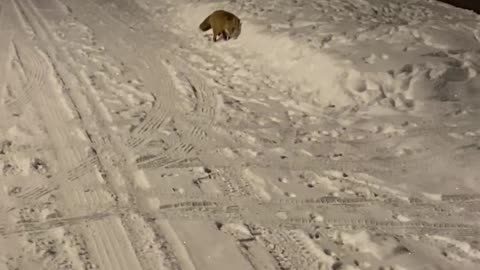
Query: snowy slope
(339, 134)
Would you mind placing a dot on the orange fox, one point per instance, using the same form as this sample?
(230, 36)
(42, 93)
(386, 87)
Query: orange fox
(222, 23)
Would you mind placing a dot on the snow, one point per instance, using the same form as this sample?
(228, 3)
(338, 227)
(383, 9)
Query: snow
(339, 134)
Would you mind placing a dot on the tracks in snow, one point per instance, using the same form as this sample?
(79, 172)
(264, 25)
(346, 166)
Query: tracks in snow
(65, 101)
(96, 170)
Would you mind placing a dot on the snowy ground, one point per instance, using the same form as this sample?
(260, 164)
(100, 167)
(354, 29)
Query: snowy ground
(333, 134)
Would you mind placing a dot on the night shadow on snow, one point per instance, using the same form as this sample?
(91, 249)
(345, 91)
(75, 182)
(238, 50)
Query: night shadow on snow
(465, 4)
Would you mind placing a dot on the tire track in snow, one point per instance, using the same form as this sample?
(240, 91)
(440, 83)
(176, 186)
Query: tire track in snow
(79, 104)
(6, 33)
(23, 19)
(109, 262)
(205, 100)
(461, 198)
(162, 112)
(80, 161)
(112, 244)
(107, 242)
(59, 115)
(32, 194)
(27, 77)
(159, 115)
(35, 227)
(54, 108)
(36, 73)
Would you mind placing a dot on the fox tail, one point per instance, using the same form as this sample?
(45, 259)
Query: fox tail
(205, 25)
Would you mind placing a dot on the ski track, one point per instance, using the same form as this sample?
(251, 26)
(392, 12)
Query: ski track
(133, 142)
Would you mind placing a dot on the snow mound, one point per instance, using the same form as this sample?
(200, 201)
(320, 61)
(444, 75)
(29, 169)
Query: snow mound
(392, 77)
(315, 74)
(414, 85)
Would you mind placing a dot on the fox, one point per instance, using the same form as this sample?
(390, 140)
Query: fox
(222, 23)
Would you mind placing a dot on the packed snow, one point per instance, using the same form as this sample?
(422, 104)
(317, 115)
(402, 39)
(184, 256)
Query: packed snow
(332, 134)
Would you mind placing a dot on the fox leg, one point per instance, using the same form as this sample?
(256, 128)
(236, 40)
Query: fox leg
(225, 35)
(215, 34)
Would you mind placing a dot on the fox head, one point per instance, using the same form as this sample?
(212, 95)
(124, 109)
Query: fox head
(235, 30)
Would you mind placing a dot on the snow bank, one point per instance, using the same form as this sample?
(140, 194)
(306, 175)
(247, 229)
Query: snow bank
(391, 77)
(314, 74)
